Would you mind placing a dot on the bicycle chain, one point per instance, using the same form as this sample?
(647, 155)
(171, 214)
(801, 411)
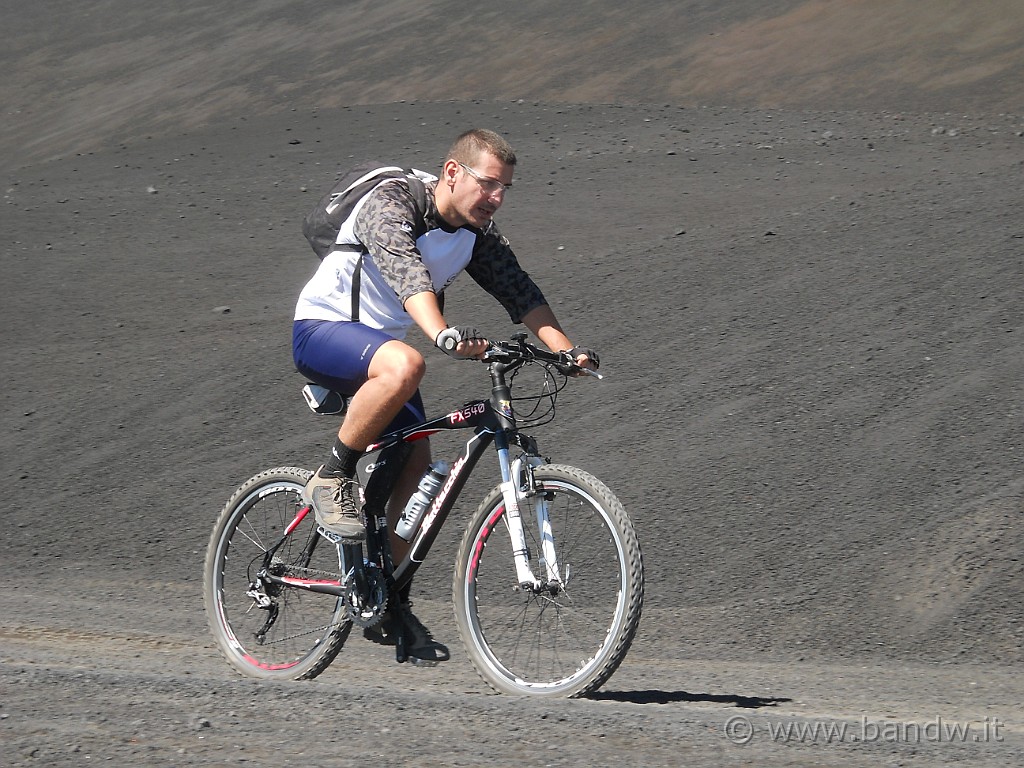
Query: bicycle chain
(314, 630)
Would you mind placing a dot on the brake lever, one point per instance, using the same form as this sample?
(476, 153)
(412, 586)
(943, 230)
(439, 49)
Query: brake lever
(569, 367)
(494, 354)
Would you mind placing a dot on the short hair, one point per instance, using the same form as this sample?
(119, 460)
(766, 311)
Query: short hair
(472, 143)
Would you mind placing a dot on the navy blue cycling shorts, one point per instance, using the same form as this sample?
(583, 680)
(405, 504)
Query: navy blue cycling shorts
(337, 355)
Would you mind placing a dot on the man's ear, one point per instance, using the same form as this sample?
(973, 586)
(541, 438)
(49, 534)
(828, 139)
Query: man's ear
(449, 171)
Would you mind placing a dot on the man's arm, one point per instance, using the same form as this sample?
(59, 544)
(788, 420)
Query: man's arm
(385, 225)
(425, 310)
(542, 321)
(496, 269)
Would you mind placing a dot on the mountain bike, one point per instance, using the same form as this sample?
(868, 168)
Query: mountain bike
(548, 583)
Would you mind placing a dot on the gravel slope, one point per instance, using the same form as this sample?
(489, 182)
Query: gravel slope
(809, 317)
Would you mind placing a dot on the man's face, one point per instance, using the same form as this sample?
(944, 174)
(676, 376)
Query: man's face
(478, 190)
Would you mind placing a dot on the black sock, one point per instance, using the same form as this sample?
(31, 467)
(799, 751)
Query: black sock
(343, 460)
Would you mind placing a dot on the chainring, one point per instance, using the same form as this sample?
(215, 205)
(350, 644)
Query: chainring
(365, 604)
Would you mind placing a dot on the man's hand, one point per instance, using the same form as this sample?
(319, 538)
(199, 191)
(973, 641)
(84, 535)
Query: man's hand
(462, 341)
(585, 357)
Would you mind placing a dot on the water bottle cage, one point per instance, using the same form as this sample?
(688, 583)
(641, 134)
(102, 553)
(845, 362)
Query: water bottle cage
(415, 509)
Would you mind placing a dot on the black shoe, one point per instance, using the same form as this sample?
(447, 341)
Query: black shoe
(419, 643)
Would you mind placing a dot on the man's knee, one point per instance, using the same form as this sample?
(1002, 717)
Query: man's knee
(399, 362)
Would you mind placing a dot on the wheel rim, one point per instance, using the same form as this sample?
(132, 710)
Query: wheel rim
(304, 619)
(542, 643)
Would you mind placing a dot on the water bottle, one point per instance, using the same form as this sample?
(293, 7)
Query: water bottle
(430, 484)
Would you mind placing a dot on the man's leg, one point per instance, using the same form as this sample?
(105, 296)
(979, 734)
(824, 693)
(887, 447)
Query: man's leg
(419, 642)
(394, 375)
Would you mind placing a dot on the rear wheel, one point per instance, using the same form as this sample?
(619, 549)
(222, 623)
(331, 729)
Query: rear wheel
(562, 641)
(265, 630)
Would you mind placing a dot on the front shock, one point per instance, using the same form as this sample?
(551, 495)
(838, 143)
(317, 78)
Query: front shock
(519, 493)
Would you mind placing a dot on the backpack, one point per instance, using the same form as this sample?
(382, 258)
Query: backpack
(322, 224)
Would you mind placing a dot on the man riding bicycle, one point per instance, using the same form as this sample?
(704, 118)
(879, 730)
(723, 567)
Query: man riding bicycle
(399, 284)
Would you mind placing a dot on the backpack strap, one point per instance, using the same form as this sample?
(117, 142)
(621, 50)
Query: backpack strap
(419, 196)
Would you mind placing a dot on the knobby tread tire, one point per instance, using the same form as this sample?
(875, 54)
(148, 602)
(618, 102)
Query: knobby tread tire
(623, 627)
(320, 655)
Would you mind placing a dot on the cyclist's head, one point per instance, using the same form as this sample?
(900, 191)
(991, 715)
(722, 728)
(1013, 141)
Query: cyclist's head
(476, 175)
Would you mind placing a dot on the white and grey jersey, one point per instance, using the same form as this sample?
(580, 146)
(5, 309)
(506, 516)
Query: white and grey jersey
(397, 265)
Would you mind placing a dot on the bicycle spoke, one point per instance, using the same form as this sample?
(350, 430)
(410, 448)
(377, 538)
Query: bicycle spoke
(295, 632)
(563, 638)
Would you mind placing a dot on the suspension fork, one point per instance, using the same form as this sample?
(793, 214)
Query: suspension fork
(526, 489)
(517, 486)
(519, 492)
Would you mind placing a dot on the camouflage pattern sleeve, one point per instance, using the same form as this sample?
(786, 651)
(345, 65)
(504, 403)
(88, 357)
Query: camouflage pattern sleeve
(496, 269)
(385, 226)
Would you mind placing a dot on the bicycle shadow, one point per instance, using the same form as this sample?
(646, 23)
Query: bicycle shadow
(676, 697)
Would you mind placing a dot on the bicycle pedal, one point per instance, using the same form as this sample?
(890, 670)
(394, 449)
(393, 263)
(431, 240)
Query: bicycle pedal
(334, 538)
(418, 662)
(329, 535)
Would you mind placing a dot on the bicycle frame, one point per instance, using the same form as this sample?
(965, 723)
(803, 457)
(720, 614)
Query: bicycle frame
(492, 421)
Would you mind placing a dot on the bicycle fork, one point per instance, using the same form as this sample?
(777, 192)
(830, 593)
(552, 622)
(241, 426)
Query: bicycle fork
(519, 492)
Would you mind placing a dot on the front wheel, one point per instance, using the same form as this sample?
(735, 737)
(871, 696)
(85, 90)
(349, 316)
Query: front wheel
(264, 629)
(558, 640)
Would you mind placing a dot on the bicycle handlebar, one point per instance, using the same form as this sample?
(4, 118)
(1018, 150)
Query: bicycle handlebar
(518, 350)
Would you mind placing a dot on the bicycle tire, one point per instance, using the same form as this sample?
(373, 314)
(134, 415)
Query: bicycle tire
(564, 645)
(310, 628)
